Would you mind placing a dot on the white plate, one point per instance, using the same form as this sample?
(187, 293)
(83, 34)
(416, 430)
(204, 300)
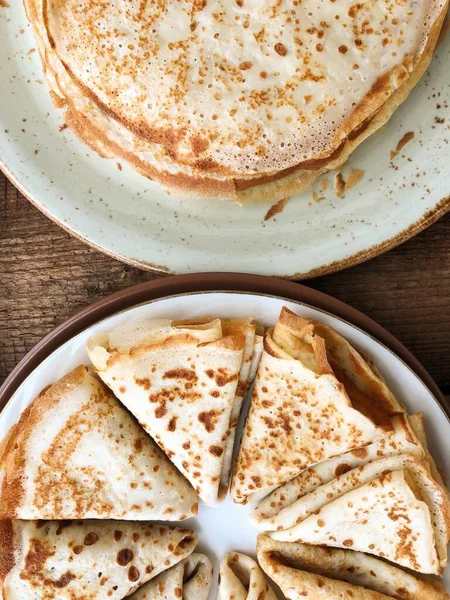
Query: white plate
(131, 218)
(226, 527)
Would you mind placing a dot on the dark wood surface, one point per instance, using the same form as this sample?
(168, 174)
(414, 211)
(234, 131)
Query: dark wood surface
(46, 276)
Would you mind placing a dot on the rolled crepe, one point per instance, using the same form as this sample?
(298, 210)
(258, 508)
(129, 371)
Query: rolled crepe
(390, 507)
(76, 453)
(99, 560)
(316, 572)
(190, 579)
(273, 513)
(241, 578)
(179, 379)
(301, 413)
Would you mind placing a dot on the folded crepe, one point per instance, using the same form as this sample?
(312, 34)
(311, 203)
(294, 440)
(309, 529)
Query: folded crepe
(320, 347)
(99, 560)
(303, 411)
(417, 423)
(391, 507)
(250, 361)
(190, 579)
(180, 379)
(76, 453)
(275, 513)
(240, 578)
(319, 573)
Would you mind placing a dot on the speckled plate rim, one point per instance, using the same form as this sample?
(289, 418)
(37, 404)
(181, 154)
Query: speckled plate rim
(211, 282)
(430, 217)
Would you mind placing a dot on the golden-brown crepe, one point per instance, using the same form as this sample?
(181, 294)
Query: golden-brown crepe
(312, 400)
(246, 101)
(76, 453)
(95, 560)
(320, 573)
(190, 579)
(180, 380)
(275, 512)
(240, 578)
(390, 507)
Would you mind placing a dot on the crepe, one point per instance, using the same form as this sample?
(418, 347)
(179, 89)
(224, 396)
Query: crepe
(241, 578)
(417, 423)
(180, 381)
(99, 560)
(390, 507)
(301, 413)
(76, 453)
(250, 361)
(275, 512)
(247, 102)
(320, 348)
(317, 573)
(190, 579)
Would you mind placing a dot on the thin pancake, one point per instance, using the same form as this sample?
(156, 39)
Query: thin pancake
(250, 361)
(181, 386)
(299, 415)
(240, 578)
(317, 573)
(190, 579)
(212, 155)
(368, 392)
(276, 512)
(390, 507)
(96, 560)
(76, 453)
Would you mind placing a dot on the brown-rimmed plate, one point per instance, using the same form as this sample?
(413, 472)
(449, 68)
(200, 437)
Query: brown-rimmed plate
(226, 527)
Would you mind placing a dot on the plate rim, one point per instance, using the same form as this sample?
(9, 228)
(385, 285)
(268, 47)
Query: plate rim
(441, 208)
(209, 282)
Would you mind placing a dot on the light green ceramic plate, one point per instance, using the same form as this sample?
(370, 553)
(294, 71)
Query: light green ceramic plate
(131, 218)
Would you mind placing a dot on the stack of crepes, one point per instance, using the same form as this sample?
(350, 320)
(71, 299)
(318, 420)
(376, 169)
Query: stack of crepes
(81, 480)
(338, 463)
(241, 100)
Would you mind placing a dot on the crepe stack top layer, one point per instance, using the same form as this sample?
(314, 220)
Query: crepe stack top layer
(246, 100)
(184, 382)
(240, 578)
(93, 560)
(76, 453)
(304, 411)
(320, 573)
(190, 579)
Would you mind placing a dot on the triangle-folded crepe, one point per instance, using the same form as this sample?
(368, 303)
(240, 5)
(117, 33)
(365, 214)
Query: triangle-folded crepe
(190, 579)
(318, 573)
(99, 560)
(241, 578)
(277, 510)
(321, 348)
(301, 413)
(179, 379)
(76, 453)
(390, 507)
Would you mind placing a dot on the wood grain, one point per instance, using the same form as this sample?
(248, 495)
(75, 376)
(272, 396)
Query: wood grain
(47, 275)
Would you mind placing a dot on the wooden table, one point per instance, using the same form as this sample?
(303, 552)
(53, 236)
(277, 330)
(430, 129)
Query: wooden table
(46, 275)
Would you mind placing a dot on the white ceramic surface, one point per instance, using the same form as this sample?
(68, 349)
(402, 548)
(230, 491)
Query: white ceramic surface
(130, 217)
(226, 527)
